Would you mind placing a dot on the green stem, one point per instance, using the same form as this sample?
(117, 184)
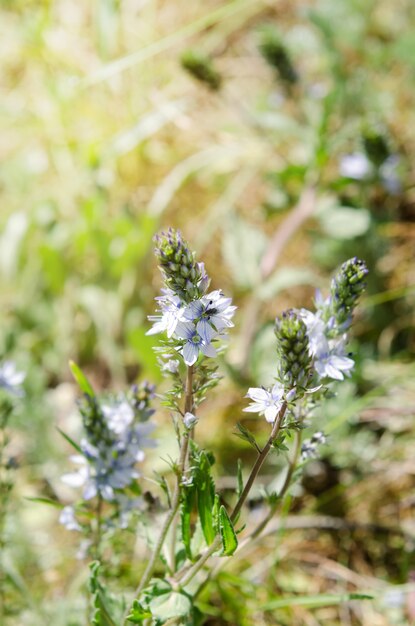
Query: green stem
(176, 495)
(187, 577)
(261, 526)
(287, 482)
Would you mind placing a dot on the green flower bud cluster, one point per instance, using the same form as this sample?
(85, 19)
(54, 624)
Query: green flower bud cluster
(201, 67)
(182, 274)
(94, 422)
(276, 55)
(294, 360)
(346, 288)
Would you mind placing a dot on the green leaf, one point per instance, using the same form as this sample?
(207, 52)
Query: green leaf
(48, 501)
(70, 441)
(286, 278)
(170, 605)
(240, 487)
(215, 513)
(227, 533)
(138, 613)
(187, 502)
(246, 435)
(104, 604)
(205, 489)
(81, 379)
(345, 222)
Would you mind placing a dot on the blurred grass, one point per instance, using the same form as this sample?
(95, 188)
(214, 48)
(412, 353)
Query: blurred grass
(105, 139)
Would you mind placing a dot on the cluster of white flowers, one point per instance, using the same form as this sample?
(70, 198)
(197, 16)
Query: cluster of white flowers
(196, 324)
(329, 353)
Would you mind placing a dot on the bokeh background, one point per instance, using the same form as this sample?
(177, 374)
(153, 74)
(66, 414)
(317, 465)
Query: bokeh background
(295, 154)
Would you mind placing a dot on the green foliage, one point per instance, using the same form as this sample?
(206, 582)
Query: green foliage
(199, 493)
(227, 533)
(106, 609)
(245, 434)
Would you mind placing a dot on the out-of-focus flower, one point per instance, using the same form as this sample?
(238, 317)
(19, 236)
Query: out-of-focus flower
(10, 379)
(330, 359)
(67, 518)
(356, 166)
(190, 420)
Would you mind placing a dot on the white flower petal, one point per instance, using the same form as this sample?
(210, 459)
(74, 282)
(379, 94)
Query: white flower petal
(258, 394)
(185, 330)
(208, 350)
(271, 413)
(190, 353)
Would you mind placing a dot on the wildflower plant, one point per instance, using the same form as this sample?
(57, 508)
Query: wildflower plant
(11, 391)
(197, 529)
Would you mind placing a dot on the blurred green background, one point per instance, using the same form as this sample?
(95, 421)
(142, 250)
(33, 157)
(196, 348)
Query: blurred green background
(294, 153)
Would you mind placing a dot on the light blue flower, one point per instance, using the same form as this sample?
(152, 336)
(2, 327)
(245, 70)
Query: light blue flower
(356, 166)
(330, 360)
(10, 379)
(213, 310)
(196, 341)
(171, 308)
(67, 518)
(266, 402)
(118, 416)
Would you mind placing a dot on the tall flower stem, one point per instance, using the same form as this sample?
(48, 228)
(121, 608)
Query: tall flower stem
(188, 405)
(254, 534)
(188, 576)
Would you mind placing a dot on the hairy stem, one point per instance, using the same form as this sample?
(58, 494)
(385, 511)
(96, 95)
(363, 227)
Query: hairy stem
(188, 405)
(187, 577)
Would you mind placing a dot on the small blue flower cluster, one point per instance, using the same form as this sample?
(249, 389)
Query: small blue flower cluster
(313, 345)
(116, 435)
(186, 312)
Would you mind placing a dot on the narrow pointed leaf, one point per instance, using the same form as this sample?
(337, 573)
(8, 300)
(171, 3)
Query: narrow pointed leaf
(81, 379)
(70, 441)
(205, 488)
(227, 533)
(240, 487)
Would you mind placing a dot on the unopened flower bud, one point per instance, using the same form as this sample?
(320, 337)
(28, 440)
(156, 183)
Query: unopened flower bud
(293, 350)
(182, 274)
(190, 420)
(346, 288)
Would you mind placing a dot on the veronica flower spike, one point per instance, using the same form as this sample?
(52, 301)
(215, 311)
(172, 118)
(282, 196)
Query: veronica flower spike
(195, 342)
(265, 402)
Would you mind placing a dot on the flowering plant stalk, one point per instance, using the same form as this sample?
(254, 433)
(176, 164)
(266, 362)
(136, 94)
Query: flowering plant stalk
(197, 527)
